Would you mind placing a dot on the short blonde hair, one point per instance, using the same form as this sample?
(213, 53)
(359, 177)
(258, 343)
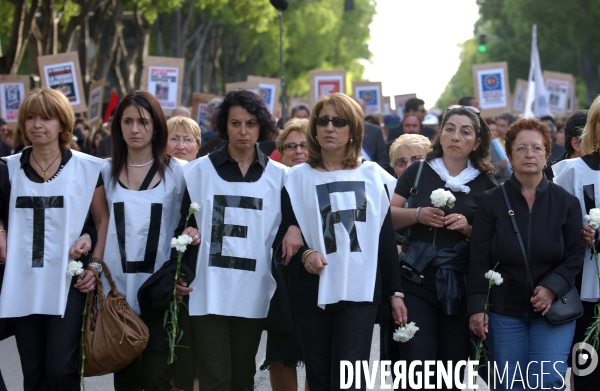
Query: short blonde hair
(588, 136)
(48, 103)
(347, 109)
(419, 143)
(299, 125)
(187, 124)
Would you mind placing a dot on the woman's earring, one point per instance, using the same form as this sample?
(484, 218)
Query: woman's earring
(512, 168)
(316, 137)
(545, 166)
(351, 140)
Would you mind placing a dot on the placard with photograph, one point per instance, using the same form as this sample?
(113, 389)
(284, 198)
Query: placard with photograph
(370, 93)
(490, 82)
(247, 85)
(13, 89)
(400, 101)
(325, 83)
(61, 72)
(387, 105)
(199, 109)
(268, 90)
(163, 77)
(571, 98)
(94, 116)
(519, 95)
(557, 85)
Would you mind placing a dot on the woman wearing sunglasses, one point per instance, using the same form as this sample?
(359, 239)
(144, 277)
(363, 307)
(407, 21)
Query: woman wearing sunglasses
(342, 273)
(406, 150)
(435, 285)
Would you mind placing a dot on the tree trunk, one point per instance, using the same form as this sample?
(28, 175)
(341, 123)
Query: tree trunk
(20, 31)
(588, 64)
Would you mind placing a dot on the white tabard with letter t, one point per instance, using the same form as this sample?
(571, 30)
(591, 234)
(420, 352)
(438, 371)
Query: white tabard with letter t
(238, 222)
(45, 221)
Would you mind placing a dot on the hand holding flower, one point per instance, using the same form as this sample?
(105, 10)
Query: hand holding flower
(478, 323)
(194, 234)
(182, 289)
(431, 216)
(399, 310)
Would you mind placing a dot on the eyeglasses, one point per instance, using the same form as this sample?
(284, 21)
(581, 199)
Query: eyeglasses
(293, 146)
(536, 149)
(185, 141)
(337, 122)
(402, 161)
(469, 108)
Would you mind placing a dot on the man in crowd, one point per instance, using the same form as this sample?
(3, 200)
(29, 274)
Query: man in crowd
(573, 130)
(391, 128)
(5, 148)
(469, 101)
(373, 147)
(301, 111)
(503, 121)
(181, 111)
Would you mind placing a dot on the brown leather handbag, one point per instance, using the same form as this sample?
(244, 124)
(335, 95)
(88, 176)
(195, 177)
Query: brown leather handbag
(114, 334)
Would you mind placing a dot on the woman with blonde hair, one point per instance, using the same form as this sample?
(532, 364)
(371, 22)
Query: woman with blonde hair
(341, 275)
(581, 178)
(406, 150)
(184, 138)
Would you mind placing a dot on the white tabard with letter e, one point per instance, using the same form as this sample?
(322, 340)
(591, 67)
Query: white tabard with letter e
(140, 229)
(46, 219)
(238, 222)
(340, 214)
(576, 177)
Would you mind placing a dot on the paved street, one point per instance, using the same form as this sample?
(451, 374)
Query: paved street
(11, 368)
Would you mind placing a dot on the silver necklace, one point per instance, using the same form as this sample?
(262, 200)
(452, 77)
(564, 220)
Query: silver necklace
(140, 165)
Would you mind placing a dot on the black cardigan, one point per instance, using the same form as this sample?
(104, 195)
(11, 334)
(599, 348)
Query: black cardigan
(303, 288)
(551, 234)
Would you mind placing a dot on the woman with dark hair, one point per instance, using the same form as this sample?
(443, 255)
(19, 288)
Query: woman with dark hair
(52, 191)
(99, 134)
(549, 224)
(144, 188)
(231, 282)
(340, 275)
(435, 287)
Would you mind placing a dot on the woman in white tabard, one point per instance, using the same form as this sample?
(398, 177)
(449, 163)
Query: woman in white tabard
(237, 188)
(348, 265)
(581, 177)
(144, 188)
(52, 191)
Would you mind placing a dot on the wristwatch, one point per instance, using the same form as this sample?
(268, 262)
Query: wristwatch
(96, 266)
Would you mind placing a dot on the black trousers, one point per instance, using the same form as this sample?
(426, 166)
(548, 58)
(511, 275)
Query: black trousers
(226, 349)
(49, 347)
(330, 336)
(440, 337)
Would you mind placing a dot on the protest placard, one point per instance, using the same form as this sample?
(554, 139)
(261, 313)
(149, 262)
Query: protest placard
(370, 93)
(557, 85)
(387, 105)
(324, 83)
(199, 109)
(519, 96)
(61, 72)
(163, 77)
(490, 82)
(13, 89)
(400, 101)
(95, 105)
(247, 85)
(268, 90)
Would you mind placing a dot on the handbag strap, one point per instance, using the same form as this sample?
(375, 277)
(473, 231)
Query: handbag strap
(415, 187)
(511, 213)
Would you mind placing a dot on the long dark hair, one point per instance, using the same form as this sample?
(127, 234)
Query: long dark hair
(480, 158)
(145, 100)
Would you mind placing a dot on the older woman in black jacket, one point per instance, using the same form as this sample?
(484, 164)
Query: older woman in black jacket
(549, 221)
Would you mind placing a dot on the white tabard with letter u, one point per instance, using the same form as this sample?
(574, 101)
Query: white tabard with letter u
(45, 221)
(238, 222)
(140, 229)
(576, 177)
(340, 214)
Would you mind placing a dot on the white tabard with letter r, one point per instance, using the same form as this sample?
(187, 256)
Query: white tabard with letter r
(340, 214)
(45, 221)
(238, 222)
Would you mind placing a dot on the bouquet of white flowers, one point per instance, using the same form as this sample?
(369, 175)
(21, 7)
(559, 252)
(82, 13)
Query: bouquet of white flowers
(405, 332)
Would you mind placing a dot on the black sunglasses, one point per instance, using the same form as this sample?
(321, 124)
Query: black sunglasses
(337, 122)
(292, 146)
(469, 108)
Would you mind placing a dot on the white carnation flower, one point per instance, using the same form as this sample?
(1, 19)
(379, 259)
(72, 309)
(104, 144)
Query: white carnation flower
(405, 332)
(441, 198)
(494, 277)
(180, 243)
(593, 218)
(194, 207)
(74, 268)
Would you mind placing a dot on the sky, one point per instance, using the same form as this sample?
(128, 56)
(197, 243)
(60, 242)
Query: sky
(415, 45)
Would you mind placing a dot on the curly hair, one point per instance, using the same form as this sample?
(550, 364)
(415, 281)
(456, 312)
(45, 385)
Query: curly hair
(589, 143)
(253, 104)
(527, 124)
(480, 158)
(348, 109)
(48, 103)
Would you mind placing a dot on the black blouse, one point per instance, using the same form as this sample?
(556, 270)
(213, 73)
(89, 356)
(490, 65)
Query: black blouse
(552, 239)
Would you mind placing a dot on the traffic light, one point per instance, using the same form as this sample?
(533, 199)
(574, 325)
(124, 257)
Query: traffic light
(482, 43)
